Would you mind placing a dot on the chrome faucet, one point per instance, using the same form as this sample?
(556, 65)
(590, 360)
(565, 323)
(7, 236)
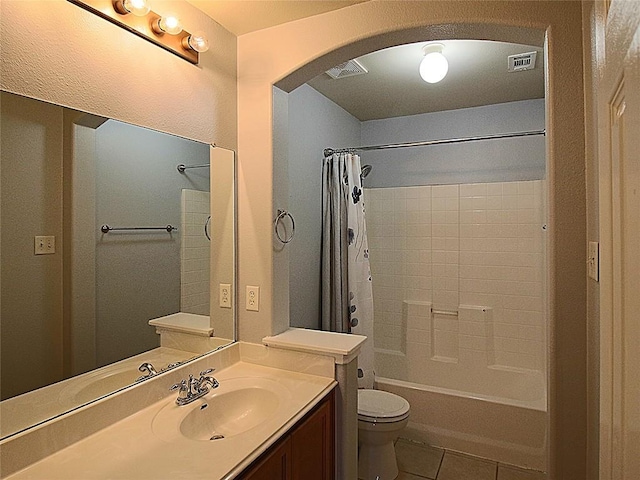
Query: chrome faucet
(194, 388)
(149, 369)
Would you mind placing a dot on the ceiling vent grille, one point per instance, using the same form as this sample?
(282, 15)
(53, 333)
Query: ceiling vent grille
(347, 69)
(521, 62)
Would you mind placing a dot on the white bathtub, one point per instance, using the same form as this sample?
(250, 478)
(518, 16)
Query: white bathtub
(501, 415)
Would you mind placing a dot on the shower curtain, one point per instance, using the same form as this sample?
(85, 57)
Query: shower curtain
(347, 299)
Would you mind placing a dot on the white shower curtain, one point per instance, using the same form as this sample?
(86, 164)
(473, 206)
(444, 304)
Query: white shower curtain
(347, 299)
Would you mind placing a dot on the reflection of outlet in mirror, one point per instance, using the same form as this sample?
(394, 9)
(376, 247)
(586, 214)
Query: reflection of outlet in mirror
(253, 298)
(225, 295)
(45, 244)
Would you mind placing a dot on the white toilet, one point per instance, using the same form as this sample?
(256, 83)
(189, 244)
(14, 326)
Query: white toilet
(381, 417)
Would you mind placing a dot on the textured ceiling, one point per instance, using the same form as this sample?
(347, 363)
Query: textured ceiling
(478, 75)
(245, 16)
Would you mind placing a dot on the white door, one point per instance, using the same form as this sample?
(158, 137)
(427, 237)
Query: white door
(619, 154)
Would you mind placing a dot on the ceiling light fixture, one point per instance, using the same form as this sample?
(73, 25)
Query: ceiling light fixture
(434, 65)
(137, 17)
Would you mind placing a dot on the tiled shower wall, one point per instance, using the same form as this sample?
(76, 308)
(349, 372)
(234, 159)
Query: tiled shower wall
(476, 245)
(195, 253)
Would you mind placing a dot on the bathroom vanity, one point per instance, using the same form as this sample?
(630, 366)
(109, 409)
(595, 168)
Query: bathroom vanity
(272, 413)
(305, 452)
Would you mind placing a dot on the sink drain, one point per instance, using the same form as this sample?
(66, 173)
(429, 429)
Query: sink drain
(216, 437)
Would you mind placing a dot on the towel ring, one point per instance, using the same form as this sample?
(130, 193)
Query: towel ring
(279, 217)
(207, 226)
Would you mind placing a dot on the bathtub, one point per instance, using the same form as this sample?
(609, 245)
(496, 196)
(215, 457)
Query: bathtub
(501, 415)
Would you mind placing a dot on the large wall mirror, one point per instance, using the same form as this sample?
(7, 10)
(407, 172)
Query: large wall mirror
(101, 233)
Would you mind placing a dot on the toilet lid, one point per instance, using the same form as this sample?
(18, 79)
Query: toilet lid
(377, 404)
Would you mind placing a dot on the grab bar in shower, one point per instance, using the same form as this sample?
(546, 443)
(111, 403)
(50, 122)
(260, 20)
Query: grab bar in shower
(450, 313)
(106, 228)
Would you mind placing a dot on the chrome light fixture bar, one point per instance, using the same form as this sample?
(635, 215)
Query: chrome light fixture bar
(149, 25)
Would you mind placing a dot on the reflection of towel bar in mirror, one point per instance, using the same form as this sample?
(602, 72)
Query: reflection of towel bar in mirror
(106, 228)
(182, 167)
(278, 219)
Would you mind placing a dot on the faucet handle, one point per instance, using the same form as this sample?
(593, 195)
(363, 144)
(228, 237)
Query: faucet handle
(193, 388)
(182, 386)
(205, 381)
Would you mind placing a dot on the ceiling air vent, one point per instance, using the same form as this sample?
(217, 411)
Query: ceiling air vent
(347, 69)
(522, 61)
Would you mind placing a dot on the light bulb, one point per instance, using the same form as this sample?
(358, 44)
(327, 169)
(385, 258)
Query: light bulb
(169, 24)
(138, 8)
(197, 41)
(434, 65)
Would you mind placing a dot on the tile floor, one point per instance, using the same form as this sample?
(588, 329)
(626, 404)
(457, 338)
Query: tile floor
(418, 461)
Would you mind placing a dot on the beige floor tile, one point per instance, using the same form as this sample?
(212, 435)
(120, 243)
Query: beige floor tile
(408, 476)
(456, 466)
(418, 459)
(506, 472)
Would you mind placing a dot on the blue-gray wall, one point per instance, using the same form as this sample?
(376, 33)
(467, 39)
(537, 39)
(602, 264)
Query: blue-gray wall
(314, 124)
(500, 160)
(138, 274)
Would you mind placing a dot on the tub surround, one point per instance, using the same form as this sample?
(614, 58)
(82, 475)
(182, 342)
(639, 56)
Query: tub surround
(474, 251)
(195, 254)
(122, 422)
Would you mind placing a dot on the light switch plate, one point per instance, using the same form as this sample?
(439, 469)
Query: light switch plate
(44, 244)
(593, 261)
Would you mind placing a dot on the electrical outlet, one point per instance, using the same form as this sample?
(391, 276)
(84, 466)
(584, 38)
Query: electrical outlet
(593, 261)
(44, 244)
(225, 295)
(253, 298)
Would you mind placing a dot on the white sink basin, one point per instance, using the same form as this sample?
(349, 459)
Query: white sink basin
(237, 406)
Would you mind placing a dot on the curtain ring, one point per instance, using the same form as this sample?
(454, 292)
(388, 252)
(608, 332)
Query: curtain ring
(279, 217)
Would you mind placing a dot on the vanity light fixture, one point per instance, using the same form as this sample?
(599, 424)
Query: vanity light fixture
(167, 24)
(196, 41)
(434, 65)
(138, 8)
(137, 17)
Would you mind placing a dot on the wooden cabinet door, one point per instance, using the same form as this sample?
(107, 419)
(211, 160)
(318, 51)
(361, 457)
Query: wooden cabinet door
(306, 453)
(312, 445)
(275, 466)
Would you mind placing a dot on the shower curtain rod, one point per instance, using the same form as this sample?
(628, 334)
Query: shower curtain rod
(331, 151)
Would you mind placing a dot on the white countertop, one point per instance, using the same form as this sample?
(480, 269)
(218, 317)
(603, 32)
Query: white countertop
(344, 347)
(129, 449)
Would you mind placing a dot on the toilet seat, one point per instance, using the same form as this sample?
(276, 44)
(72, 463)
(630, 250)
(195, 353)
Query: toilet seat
(378, 406)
